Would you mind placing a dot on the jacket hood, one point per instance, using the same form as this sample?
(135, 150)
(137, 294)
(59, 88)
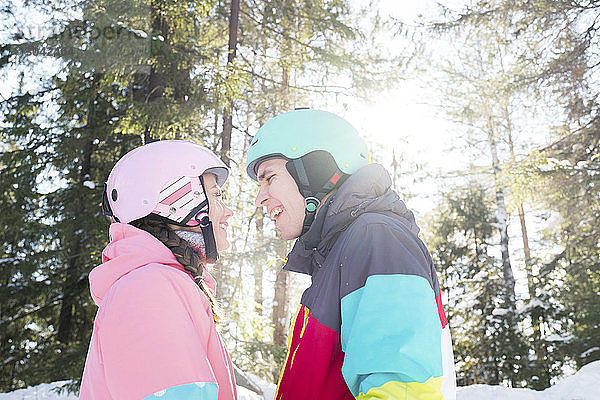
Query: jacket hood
(367, 190)
(131, 248)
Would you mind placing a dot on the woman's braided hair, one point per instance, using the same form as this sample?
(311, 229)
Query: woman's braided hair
(190, 259)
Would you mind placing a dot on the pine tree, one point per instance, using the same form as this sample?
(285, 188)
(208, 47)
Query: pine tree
(462, 235)
(477, 96)
(555, 46)
(123, 73)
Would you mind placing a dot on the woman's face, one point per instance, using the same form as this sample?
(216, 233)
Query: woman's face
(218, 212)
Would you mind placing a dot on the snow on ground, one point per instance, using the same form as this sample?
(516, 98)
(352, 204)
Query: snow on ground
(583, 385)
(44, 391)
(47, 391)
(267, 387)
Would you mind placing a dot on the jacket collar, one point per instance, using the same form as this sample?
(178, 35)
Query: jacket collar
(131, 248)
(368, 190)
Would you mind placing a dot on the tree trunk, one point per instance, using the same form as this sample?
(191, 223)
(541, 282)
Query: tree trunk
(285, 89)
(502, 215)
(70, 286)
(234, 16)
(280, 308)
(228, 115)
(521, 211)
(539, 347)
(156, 80)
(258, 267)
(280, 300)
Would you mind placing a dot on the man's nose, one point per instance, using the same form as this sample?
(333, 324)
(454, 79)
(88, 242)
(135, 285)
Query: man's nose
(261, 197)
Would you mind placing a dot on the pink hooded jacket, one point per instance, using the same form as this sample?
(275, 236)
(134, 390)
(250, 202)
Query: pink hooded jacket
(154, 334)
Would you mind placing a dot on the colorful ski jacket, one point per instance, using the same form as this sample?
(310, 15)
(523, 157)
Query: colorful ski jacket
(371, 325)
(154, 335)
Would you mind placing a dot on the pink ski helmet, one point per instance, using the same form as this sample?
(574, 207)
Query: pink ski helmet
(162, 179)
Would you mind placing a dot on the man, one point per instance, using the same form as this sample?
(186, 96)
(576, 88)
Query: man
(371, 325)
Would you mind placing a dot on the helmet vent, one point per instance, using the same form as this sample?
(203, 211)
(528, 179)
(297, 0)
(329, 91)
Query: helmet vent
(113, 195)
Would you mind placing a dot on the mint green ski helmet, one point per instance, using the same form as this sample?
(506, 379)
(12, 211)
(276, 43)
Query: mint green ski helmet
(296, 133)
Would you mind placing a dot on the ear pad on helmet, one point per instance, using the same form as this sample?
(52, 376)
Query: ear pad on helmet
(315, 173)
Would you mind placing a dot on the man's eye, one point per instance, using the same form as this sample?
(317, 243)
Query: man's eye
(270, 178)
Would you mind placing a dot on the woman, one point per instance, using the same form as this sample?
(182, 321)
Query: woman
(154, 334)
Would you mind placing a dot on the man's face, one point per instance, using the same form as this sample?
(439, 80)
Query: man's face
(280, 195)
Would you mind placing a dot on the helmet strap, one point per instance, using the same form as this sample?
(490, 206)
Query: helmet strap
(311, 204)
(316, 174)
(106, 210)
(210, 244)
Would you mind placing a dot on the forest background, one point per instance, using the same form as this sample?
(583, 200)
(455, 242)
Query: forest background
(486, 113)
